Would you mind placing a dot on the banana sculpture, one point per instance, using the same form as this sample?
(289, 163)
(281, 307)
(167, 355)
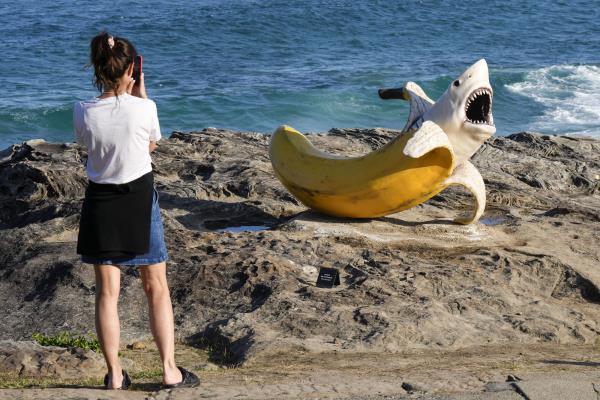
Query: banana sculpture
(431, 154)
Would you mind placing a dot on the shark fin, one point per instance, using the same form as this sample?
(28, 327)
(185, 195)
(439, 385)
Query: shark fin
(419, 103)
(428, 137)
(469, 177)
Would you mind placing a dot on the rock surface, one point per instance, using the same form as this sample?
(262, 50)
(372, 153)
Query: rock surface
(28, 359)
(529, 272)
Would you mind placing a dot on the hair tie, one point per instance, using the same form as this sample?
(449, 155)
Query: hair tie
(111, 42)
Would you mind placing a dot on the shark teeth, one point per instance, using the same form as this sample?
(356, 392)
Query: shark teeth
(478, 107)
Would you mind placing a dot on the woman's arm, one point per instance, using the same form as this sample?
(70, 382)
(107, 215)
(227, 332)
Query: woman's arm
(139, 90)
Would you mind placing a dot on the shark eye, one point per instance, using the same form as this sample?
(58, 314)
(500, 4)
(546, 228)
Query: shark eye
(457, 83)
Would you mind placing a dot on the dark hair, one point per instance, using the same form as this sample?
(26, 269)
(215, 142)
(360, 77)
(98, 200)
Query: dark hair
(110, 63)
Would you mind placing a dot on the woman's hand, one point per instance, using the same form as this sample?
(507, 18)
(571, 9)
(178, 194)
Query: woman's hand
(152, 147)
(129, 87)
(139, 90)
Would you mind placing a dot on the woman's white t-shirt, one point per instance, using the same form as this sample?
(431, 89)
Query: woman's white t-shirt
(117, 133)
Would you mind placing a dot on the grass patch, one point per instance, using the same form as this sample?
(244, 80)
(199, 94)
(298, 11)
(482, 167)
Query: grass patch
(11, 381)
(65, 339)
(146, 374)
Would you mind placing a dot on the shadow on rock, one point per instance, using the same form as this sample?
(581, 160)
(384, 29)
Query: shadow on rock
(216, 215)
(578, 363)
(46, 286)
(221, 348)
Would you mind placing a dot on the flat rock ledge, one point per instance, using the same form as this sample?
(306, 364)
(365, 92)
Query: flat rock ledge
(244, 254)
(27, 359)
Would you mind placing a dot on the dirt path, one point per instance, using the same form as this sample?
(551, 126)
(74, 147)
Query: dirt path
(294, 375)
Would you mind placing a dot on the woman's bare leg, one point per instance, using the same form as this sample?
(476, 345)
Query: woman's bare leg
(154, 279)
(108, 282)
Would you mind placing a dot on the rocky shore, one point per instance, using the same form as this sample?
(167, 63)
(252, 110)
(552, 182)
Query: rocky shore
(244, 254)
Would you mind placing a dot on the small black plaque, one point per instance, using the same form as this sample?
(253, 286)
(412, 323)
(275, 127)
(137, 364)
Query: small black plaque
(328, 277)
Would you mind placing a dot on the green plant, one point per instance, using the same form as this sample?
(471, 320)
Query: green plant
(147, 374)
(10, 381)
(65, 339)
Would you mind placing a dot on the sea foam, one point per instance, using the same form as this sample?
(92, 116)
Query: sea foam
(569, 94)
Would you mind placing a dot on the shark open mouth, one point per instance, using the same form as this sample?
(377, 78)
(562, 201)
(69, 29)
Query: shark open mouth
(479, 107)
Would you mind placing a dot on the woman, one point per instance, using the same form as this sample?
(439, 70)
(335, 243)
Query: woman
(120, 217)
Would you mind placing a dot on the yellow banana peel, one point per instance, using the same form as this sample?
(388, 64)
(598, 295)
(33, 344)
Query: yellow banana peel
(382, 182)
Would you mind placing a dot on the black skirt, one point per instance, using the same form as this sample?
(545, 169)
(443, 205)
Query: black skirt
(115, 219)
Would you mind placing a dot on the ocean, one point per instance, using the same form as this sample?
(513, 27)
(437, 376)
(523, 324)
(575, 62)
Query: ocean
(253, 65)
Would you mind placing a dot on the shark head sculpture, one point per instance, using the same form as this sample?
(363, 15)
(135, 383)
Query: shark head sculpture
(464, 111)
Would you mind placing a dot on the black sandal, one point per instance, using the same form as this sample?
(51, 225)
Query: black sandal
(125, 384)
(188, 380)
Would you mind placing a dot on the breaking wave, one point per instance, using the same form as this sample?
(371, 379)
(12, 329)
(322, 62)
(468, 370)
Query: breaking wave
(569, 96)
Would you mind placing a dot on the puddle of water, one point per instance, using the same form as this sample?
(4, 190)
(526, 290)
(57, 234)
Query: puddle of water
(244, 228)
(493, 221)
